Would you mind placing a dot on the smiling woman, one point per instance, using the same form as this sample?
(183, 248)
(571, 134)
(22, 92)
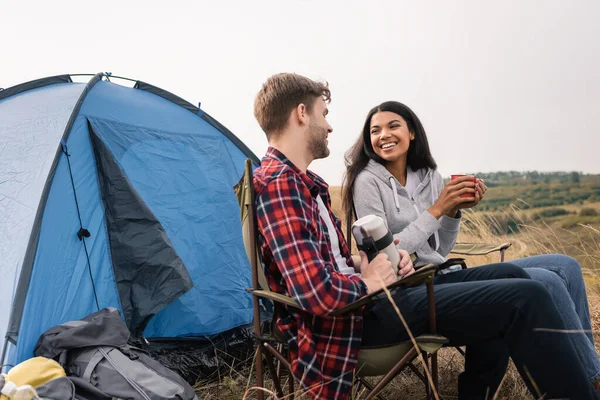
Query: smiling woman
(388, 123)
(391, 173)
(390, 139)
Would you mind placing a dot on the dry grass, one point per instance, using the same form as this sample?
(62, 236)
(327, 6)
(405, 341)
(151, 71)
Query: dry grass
(535, 237)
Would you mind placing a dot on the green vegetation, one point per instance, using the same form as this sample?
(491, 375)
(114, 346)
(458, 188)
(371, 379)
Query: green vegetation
(534, 189)
(588, 212)
(549, 213)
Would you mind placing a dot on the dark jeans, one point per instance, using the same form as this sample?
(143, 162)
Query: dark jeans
(494, 315)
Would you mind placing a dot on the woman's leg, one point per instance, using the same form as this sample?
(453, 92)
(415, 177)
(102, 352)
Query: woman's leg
(561, 275)
(505, 270)
(485, 363)
(569, 271)
(503, 311)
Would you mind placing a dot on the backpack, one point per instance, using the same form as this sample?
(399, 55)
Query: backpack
(94, 350)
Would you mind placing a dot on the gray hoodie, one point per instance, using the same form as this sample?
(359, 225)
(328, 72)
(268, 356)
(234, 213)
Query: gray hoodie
(377, 192)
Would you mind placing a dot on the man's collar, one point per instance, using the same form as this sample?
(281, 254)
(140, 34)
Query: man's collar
(313, 181)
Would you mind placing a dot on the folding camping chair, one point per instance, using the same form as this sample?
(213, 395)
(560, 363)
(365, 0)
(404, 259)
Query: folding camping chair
(388, 361)
(480, 249)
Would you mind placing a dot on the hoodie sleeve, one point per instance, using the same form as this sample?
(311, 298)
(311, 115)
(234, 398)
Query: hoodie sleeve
(369, 200)
(449, 226)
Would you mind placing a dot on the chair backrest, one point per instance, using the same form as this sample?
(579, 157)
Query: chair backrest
(350, 218)
(245, 194)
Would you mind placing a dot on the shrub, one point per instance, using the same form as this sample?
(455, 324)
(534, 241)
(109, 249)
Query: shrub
(588, 212)
(549, 213)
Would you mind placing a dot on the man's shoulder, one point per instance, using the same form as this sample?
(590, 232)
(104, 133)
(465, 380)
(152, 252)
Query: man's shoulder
(270, 172)
(317, 179)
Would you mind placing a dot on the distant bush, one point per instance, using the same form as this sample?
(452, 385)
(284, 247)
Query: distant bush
(549, 213)
(588, 212)
(574, 220)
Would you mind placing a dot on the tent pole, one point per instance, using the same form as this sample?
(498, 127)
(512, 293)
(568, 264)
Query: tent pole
(3, 354)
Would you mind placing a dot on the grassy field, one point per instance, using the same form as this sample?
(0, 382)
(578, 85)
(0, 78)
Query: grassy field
(535, 230)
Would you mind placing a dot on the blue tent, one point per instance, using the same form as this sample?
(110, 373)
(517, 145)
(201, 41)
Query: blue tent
(117, 196)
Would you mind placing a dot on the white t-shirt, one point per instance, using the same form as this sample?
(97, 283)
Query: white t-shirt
(333, 237)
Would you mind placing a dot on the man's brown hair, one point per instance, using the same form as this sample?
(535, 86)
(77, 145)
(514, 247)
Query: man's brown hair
(280, 94)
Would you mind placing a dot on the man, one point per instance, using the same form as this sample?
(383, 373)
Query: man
(306, 257)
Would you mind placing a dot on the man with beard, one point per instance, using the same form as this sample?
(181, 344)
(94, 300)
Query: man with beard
(305, 256)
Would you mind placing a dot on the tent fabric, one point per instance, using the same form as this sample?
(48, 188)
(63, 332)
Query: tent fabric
(38, 83)
(28, 261)
(31, 125)
(178, 167)
(145, 284)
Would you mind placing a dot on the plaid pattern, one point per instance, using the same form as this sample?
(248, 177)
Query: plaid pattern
(298, 262)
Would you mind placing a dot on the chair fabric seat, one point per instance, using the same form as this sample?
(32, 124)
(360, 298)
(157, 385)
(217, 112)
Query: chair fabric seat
(374, 361)
(478, 249)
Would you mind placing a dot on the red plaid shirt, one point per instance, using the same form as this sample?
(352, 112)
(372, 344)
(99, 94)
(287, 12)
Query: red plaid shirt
(296, 253)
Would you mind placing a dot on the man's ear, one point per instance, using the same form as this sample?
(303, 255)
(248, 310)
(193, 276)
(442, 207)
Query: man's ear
(302, 114)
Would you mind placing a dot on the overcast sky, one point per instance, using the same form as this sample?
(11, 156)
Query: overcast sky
(498, 85)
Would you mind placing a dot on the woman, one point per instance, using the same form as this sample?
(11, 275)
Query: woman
(391, 173)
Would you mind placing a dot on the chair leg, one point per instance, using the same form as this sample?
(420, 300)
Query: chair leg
(434, 370)
(369, 387)
(279, 349)
(260, 382)
(417, 373)
(392, 373)
(461, 351)
(291, 385)
(276, 377)
(286, 363)
(428, 391)
(502, 255)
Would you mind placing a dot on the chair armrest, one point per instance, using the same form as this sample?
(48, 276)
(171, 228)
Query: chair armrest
(478, 249)
(422, 275)
(452, 262)
(274, 296)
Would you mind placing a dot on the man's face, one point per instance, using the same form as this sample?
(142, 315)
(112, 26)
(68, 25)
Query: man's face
(318, 130)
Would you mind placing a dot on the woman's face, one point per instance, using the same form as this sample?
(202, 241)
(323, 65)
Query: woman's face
(390, 136)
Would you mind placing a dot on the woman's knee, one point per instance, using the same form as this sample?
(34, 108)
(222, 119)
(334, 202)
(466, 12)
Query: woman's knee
(567, 263)
(550, 280)
(566, 267)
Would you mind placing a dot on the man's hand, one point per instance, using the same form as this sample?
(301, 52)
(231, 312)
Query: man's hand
(406, 267)
(376, 271)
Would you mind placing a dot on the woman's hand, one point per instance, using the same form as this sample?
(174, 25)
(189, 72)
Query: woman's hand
(480, 189)
(449, 201)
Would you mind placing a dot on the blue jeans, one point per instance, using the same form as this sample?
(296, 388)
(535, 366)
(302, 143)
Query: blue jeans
(495, 316)
(562, 276)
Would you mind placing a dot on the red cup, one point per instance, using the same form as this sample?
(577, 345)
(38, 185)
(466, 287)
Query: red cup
(466, 195)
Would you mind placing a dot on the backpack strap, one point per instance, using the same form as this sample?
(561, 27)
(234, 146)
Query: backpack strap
(96, 358)
(61, 358)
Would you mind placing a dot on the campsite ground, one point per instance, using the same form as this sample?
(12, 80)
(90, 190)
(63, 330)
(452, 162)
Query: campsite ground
(567, 232)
